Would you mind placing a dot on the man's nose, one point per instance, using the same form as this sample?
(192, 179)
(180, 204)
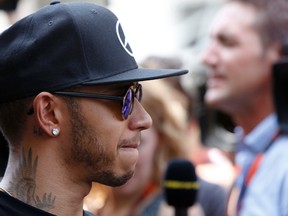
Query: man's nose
(139, 118)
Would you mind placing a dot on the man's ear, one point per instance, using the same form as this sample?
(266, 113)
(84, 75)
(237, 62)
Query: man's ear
(46, 111)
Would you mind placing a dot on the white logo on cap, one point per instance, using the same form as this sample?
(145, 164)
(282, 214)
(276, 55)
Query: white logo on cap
(122, 39)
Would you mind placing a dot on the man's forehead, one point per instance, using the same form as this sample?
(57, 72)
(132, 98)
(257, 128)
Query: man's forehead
(234, 17)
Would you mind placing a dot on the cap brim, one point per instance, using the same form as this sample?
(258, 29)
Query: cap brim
(139, 74)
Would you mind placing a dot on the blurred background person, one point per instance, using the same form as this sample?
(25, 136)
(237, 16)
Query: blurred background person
(210, 143)
(240, 57)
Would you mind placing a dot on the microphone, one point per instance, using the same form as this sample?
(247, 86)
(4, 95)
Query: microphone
(279, 81)
(180, 185)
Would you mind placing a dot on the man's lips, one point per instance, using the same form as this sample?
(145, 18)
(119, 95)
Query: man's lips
(132, 143)
(215, 80)
(130, 146)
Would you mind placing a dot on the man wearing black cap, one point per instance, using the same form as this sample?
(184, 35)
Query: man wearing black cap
(69, 108)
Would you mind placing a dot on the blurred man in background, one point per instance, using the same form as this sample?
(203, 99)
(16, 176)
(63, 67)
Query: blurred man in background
(246, 39)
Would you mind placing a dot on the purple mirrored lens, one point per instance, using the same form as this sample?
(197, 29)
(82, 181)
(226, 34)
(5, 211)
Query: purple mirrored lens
(127, 103)
(138, 93)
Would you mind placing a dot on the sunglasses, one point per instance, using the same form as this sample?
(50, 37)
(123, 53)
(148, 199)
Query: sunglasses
(134, 91)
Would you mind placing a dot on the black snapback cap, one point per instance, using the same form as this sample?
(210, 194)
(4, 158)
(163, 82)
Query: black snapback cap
(67, 44)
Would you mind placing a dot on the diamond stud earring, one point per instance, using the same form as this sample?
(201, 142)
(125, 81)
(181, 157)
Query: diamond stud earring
(55, 131)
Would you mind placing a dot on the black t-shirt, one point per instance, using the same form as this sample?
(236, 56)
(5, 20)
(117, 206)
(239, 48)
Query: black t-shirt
(4, 152)
(9, 206)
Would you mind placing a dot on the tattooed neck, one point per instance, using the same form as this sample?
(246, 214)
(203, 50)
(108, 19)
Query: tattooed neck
(23, 184)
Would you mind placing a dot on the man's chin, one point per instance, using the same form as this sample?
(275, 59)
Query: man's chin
(214, 98)
(117, 181)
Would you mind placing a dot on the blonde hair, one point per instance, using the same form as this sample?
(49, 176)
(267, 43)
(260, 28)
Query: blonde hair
(168, 109)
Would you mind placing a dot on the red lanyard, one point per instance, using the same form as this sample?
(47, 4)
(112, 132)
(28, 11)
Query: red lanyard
(252, 170)
(248, 176)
